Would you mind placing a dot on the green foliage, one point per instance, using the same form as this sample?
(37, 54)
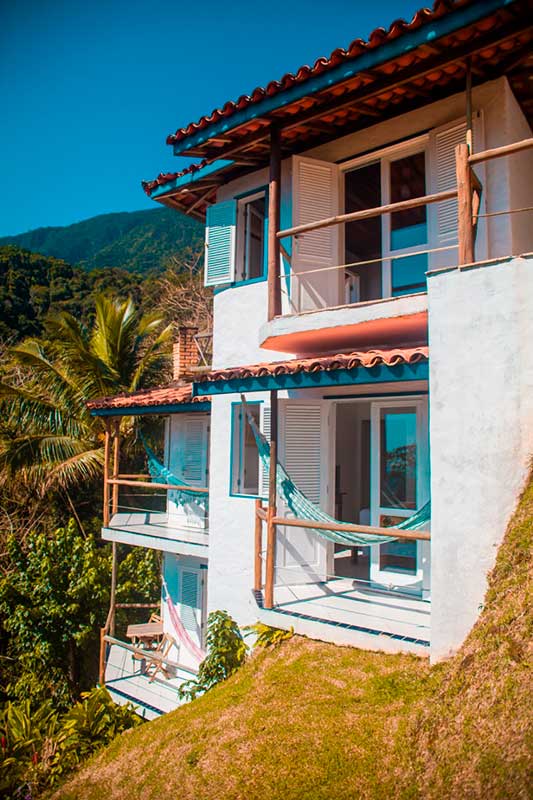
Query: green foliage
(226, 653)
(39, 746)
(47, 434)
(53, 596)
(140, 241)
(265, 636)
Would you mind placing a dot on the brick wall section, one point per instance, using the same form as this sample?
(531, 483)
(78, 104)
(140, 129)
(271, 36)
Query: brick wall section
(185, 353)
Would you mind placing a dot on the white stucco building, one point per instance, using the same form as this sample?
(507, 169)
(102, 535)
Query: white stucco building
(386, 354)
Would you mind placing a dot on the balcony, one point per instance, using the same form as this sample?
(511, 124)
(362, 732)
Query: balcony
(157, 515)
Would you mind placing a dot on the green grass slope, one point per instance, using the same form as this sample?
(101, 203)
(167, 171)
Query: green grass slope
(311, 720)
(138, 240)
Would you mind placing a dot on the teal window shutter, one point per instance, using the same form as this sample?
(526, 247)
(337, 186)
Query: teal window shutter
(220, 243)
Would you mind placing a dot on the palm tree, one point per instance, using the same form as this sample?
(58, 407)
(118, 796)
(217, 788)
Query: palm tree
(48, 439)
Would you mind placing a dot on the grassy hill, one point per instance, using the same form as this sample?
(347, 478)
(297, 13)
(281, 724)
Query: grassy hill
(139, 240)
(314, 721)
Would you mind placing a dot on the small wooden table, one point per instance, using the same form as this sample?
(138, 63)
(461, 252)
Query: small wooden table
(146, 634)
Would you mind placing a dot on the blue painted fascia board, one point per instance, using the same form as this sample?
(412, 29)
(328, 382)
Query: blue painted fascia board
(139, 411)
(192, 177)
(381, 373)
(450, 23)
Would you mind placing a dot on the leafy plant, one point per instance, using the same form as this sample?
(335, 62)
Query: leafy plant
(267, 636)
(226, 653)
(38, 746)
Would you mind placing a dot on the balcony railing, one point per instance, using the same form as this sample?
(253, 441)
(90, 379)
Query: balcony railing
(468, 194)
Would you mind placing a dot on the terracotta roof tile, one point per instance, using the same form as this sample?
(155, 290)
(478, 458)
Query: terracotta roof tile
(378, 37)
(360, 358)
(175, 393)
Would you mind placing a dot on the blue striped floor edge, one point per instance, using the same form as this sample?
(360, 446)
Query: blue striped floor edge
(344, 625)
(147, 706)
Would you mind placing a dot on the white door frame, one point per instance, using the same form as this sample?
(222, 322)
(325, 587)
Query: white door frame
(419, 582)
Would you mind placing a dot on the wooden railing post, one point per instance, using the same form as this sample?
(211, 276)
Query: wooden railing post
(107, 450)
(274, 192)
(101, 666)
(464, 205)
(258, 546)
(112, 601)
(116, 457)
(271, 511)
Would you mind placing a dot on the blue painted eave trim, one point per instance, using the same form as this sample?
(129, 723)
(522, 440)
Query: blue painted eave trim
(451, 22)
(192, 177)
(139, 411)
(308, 380)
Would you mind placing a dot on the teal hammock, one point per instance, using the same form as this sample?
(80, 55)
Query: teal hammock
(303, 508)
(161, 474)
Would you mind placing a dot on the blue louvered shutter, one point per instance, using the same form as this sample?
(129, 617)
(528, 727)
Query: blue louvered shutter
(190, 609)
(220, 243)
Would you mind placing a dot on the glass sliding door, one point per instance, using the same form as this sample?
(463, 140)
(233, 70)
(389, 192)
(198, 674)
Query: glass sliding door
(400, 486)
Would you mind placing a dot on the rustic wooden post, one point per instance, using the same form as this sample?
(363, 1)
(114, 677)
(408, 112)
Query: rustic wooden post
(101, 667)
(464, 205)
(112, 600)
(271, 511)
(107, 450)
(116, 457)
(258, 570)
(274, 193)
(469, 124)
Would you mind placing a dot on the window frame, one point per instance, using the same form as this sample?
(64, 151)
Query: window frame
(385, 155)
(242, 201)
(236, 440)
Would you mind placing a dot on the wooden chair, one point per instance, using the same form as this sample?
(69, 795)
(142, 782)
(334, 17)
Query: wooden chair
(155, 660)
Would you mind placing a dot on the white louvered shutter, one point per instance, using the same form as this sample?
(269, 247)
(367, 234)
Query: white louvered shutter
(300, 554)
(220, 238)
(194, 453)
(315, 197)
(445, 140)
(190, 600)
(264, 471)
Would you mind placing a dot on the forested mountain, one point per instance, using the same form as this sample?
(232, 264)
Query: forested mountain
(140, 241)
(31, 285)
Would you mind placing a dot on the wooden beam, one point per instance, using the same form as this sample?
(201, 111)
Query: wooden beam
(274, 192)
(373, 530)
(272, 510)
(498, 152)
(368, 213)
(258, 546)
(107, 451)
(468, 99)
(112, 600)
(464, 205)
(116, 459)
(152, 485)
(101, 664)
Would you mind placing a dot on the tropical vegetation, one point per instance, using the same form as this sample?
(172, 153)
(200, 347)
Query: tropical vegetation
(312, 720)
(138, 241)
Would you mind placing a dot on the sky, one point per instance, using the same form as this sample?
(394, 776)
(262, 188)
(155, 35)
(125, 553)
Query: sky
(89, 90)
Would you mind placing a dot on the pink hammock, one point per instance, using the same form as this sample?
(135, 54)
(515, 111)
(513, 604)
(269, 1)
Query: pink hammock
(179, 629)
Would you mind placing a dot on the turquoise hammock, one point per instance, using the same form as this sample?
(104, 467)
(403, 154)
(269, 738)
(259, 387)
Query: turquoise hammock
(161, 474)
(303, 508)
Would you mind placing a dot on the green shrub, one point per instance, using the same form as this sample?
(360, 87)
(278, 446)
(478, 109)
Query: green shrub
(39, 746)
(226, 653)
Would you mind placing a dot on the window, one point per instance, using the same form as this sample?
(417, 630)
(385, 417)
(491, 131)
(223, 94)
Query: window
(251, 219)
(244, 453)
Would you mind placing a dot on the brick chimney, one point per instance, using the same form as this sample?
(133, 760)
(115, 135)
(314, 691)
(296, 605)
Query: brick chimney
(185, 353)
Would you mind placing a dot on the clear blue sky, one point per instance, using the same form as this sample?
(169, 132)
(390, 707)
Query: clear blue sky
(89, 90)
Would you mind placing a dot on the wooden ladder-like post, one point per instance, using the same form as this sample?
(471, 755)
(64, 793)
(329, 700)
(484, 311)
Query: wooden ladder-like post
(464, 205)
(272, 510)
(116, 460)
(274, 194)
(258, 546)
(107, 453)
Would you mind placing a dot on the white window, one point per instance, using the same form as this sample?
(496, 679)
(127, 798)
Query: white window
(245, 473)
(251, 237)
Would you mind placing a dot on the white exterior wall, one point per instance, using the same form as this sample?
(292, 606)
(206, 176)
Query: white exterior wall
(481, 430)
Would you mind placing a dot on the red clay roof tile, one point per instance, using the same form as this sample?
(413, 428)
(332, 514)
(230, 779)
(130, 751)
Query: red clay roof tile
(360, 358)
(175, 393)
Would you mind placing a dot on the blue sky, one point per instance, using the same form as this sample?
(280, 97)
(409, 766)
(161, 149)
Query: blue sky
(91, 89)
